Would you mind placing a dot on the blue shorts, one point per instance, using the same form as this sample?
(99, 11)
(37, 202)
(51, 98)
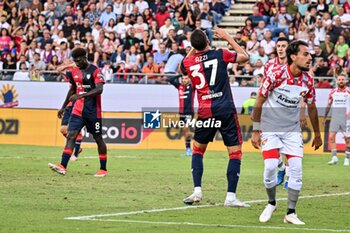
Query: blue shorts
(66, 115)
(93, 124)
(230, 131)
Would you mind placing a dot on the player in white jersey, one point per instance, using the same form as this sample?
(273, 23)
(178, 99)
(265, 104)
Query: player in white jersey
(280, 60)
(337, 101)
(277, 110)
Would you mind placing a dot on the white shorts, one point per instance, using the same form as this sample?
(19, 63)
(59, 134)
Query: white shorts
(288, 143)
(337, 126)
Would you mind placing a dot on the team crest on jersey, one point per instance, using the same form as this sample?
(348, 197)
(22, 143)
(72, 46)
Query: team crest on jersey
(303, 93)
(88, 76)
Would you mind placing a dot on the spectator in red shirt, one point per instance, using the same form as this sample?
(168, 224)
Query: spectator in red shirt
(162, 15)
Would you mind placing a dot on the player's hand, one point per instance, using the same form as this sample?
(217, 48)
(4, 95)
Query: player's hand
(317, 142)
(303, 122)
(74, 98)
(60, 113)
(256, 139)
(221, 33)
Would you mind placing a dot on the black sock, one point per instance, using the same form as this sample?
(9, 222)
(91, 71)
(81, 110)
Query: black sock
(188, 143)
(290, 211)
(232, 174)
(197, 169)
(66, 156)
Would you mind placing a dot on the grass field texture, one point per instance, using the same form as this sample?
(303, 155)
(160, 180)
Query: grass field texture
(34, 199)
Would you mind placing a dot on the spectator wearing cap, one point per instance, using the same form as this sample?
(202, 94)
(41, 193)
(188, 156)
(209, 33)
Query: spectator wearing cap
(217, 9)
(140, 27)
(248, 105)
(92, 14)
(123, 27)
(107, 15)
(142, 5)
(182, 28)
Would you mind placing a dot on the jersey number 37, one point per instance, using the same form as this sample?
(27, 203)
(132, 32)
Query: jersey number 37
(195, 73)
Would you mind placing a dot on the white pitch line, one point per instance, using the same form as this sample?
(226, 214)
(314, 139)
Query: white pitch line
(54, 157)
(222, 225)
(91, 217)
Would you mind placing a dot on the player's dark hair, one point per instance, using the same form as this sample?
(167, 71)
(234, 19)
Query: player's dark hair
(199, 40)
(282, 39)
(78, 52)
(293, 49)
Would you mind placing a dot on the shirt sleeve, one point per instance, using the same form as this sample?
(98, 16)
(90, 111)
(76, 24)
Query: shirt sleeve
(98, 77)
(182, 68)
(330, 98)
(229, 57)
(310, 96)
(69, 77)
(267, 84)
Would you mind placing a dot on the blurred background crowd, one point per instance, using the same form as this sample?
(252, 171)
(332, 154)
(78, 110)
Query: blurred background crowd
(138, 36)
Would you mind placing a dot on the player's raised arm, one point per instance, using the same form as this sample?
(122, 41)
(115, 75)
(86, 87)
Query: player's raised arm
(242, 55)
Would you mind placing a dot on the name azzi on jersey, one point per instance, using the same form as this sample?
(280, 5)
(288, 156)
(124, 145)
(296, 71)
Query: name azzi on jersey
(201, 58)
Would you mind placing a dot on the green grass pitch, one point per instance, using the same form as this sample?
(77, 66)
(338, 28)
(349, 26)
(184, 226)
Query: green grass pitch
(34, 199)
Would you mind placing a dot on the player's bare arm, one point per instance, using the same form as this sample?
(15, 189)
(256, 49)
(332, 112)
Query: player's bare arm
(242, 55)
(256, 117)
(313, 114)
(94, 92)
(303, 122)
(71, 92)
(328, 108)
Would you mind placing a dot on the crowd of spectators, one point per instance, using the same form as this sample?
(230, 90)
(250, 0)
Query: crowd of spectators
(138, 36)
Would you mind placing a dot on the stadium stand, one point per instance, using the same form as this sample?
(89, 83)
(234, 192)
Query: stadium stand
(120, 35)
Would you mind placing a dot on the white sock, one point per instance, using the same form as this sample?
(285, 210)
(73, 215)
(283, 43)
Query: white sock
(287, 173)
(198, 189)
(230, 196)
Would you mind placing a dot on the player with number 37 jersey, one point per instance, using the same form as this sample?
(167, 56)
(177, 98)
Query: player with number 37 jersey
(207, 70)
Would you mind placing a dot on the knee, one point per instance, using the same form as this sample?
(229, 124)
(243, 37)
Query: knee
(71, 135)
(295, 178)
(63, 130)
(270, 172)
